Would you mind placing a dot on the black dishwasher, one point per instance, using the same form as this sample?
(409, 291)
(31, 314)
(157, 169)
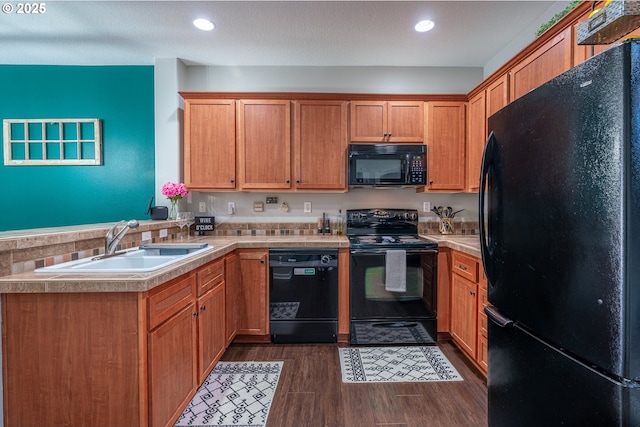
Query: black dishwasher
(303, 295)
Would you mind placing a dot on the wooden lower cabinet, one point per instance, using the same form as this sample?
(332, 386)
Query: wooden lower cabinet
(172, 366)
(483, 335)
(468, 299)
(212, 337)
(111, 358)
(231, 296)
(464, 307)
(253, 307)
(73, 359)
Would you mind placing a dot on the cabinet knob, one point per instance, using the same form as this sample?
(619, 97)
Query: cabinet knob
(430, 182)
(471, 293)
(385, 134)
(195, 314)
(287, 181)
(389, 134)
(232, 180)
(203, 308)
(261, 260)
(297, 181)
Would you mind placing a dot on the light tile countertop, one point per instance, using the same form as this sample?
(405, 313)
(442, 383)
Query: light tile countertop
(140, 282)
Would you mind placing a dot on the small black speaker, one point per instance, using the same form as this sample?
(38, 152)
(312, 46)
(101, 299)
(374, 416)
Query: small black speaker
(159, 212)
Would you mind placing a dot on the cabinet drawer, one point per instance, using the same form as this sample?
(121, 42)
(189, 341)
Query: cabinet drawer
(170, 299)
(465, 266)
(210, 276)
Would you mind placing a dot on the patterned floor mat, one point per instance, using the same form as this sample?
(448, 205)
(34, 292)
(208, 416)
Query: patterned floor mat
(283, 310)
(370, 333)
(395, 364)
(234, 394)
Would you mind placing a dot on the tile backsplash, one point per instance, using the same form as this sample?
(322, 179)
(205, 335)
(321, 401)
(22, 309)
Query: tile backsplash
(41, 249)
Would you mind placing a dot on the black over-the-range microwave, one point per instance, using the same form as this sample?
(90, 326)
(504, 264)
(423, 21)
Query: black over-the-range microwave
(382, 165)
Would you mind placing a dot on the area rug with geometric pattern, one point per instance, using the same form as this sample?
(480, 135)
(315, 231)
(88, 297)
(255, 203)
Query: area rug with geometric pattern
(395, 364)
(234, 394)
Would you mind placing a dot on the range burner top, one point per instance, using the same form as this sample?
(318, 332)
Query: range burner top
(385, 240)
(390, 228)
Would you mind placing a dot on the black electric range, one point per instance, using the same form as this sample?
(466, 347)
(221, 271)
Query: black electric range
(393, 276)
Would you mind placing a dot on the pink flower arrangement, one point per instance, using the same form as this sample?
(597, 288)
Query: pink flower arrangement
(174, 191)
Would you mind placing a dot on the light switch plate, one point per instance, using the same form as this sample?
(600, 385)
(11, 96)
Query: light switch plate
(307, 207)
(202, 207)
(163, 232)
(258, 207)
(426, 206)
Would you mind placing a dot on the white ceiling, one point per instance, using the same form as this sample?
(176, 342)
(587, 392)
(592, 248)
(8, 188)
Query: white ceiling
(283, 33)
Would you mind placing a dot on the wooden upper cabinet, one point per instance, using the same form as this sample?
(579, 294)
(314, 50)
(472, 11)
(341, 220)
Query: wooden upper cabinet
(446, 129)
(548, 61)
(264, 144)
(320, 145)
(477, 132)
(387, 121)
(497, 95)
(481, 107)
(210, 144)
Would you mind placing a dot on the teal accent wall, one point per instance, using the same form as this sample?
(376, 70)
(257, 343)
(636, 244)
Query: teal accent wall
(48, 196)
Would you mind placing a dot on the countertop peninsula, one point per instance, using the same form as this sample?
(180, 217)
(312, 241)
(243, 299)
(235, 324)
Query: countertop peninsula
(31, 282)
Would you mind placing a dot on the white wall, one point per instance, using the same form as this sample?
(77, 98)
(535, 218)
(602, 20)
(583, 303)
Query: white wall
(526, 36)
(432, 80)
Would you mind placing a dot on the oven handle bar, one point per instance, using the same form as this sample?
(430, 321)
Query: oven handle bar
(383, 251)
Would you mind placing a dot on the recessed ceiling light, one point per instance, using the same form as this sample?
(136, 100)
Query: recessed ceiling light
(203, 24)
(423, 26)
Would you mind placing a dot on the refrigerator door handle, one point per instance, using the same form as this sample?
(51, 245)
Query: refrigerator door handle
(487, 161)
(496, 317)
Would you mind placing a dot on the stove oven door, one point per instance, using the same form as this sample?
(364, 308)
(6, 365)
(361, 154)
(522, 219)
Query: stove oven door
(380, 316)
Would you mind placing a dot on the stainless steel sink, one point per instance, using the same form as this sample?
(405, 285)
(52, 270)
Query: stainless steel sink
(142, 259)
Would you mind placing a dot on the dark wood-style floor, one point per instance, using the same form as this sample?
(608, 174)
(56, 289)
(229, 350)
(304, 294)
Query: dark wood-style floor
(311, 392)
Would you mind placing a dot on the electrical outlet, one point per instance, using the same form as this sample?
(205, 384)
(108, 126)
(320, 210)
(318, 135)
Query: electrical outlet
(163, 232)
(426, 206)
(202, 207)
(231, 208)
(146, 236)
(307, 207)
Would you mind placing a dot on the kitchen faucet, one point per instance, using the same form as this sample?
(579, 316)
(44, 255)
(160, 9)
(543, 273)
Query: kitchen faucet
(111, 241)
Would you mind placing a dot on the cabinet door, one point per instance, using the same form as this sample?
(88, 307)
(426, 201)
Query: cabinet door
(368, 121)
(320, 145)
(173, 366)
(545, 63)
(477, 135)
(464, 309)
(264, 144)
(209, 144)
(212, 338)
(231, 296)
(253, 310)
(497, 95)
(446, 129)
(405, 121)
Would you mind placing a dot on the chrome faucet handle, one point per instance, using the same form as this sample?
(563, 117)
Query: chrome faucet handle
(113, 229)
(111, 241)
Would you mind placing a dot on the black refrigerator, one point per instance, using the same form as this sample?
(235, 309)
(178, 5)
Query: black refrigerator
(560, 246)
